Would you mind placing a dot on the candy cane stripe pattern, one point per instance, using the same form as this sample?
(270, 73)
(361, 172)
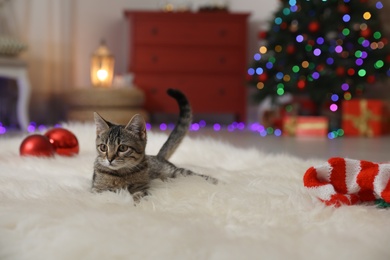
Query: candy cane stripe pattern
(343, 181)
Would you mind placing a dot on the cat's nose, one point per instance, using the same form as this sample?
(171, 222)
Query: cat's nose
(110, 159)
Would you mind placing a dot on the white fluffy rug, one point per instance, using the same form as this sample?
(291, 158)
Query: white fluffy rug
(259, 211)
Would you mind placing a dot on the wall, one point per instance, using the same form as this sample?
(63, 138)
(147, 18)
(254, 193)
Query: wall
(105, 20)
(62, 34)
(46, 27)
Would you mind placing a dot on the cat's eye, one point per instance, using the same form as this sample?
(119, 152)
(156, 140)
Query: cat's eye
(103, 148)
(123, 148)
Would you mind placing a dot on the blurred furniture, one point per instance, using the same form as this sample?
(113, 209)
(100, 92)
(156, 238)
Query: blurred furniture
(117, 105)
(202, 54)
(16, 69)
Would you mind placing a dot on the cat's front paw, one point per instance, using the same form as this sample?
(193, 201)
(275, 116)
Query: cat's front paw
(137, 196)
(96, 190)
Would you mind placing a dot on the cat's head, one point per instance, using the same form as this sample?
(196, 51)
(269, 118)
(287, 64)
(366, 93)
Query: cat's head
(120, 146)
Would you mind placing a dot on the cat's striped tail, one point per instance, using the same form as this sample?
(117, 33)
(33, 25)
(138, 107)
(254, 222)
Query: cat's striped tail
(182, 125)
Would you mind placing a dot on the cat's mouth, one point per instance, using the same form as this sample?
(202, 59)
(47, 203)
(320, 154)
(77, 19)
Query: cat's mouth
(112, 164)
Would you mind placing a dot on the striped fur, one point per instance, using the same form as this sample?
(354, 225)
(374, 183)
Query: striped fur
(181, 127)
(347, 181)
(122, 163)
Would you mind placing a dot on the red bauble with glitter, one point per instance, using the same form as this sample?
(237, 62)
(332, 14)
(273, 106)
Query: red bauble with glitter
(314, 26)
(63, 141)
(36, 145)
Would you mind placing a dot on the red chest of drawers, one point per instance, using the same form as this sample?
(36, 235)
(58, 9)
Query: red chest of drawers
(202, 54)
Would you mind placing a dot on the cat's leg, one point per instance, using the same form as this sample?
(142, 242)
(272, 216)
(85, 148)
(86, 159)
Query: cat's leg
(137, 196)
(159, 168)
(103, 182)
(98, 184)
(138, 191)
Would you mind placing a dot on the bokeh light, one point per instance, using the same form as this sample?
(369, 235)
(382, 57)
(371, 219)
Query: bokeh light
(333, 107)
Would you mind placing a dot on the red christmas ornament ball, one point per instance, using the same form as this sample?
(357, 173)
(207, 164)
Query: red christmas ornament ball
(314, 26)
(365, 33)
(371, 79)
(320, 67)
(262, 35)
(283, 26)
(290, 49)
(343, 8)
(36, 145)
(340, 71)
(64, 141)
(301, 84)
(263, 77)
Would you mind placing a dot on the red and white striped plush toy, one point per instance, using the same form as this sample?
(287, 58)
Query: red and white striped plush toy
(346, 181)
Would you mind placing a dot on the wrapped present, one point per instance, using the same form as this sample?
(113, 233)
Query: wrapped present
(365, 117)
(305, 126)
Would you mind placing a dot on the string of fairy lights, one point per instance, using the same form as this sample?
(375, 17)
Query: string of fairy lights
(255, 128)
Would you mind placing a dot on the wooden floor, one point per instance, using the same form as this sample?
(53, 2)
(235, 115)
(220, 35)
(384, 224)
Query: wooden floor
(373, 149)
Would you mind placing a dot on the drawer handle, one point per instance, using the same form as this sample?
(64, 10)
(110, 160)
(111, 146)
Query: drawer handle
(222, 60)
(222, 33)
(154, 59)
(154, 31)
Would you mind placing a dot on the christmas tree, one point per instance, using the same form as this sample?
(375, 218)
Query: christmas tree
(328, 49)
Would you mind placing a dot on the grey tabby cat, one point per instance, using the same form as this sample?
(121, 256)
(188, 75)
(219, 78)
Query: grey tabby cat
(121, 162)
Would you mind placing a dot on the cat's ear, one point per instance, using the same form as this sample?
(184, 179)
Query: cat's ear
(137, 124)
(101, 124)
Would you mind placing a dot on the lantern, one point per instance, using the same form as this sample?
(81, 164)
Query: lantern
(102, 66)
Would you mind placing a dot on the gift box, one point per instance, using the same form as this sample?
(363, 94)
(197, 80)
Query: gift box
(365, 117)
(305, 126)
